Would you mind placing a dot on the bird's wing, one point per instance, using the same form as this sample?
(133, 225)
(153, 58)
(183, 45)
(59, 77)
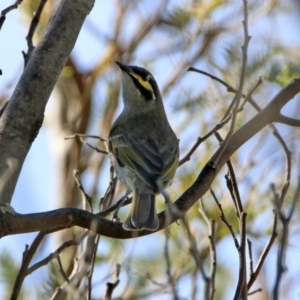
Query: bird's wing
(143, 157)
(170, 157)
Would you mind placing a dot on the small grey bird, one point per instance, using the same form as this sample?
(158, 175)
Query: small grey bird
(143, 146)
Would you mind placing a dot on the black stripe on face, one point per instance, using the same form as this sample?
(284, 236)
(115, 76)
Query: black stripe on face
(147, 78)
(147, 94)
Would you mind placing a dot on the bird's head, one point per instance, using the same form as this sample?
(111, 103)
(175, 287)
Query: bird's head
(139, 87)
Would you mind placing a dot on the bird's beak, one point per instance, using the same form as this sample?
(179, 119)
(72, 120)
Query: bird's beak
(126, 69)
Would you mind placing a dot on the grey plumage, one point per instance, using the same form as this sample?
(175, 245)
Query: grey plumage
(143, 146)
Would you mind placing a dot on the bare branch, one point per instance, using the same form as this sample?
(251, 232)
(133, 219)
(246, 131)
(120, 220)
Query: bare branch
(288, 121)
(63, 273)
(170, 277)
(250, 256)
(120, 203)
(7, 10)
(81, 138)
(111, 286)
(224, 219)
(200, 140)
(196, 256)
(86, 197)
(27, 257)
(90, 275)
(249, 95)
(229, 88)
(71, 216)
(255, 291)
(285, 222)
(264, 254)
(79, 135)
(108, 197)
(34, 23)
(241, 290)
(55, 254)
(213, 254)
(238, 95)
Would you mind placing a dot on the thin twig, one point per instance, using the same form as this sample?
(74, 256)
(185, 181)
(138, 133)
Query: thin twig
(112, 208)
(213, 258)
(224, 219)
(90, 275)
(27, 257)
(288, 168)
(73, 242)
(250, 256)
(170, 277)
(62, 271)
(81, 138)
(288, 121)
(249, 95)
(232, 183)
(238, 95)
(120, 203)
(85, 196)
(212, 249)
(7, 10)
(200, 140)
(286, 185)
(110, 286)
(264, 254)
(255, 291)
(108, 197)
(196, 256)
(234, 107)
(229, 88)
(241, 289)
(285, 221)
(80, 269)
(34, 23)
(79, 135)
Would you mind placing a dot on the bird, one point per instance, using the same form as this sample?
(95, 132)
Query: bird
(143, 147)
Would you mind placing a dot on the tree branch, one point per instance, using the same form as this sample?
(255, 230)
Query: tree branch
(288, 121)
(254, 274)
(67, 217)
(34, 23)
(7, 10)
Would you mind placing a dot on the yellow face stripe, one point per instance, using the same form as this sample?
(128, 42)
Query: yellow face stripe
(143, 83)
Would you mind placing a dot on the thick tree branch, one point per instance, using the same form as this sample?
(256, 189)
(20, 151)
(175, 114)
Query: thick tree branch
(23, 116)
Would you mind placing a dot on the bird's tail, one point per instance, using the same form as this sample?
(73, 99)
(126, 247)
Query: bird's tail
(143, 214)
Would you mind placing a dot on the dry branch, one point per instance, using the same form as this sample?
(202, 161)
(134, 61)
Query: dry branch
(13, 224)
